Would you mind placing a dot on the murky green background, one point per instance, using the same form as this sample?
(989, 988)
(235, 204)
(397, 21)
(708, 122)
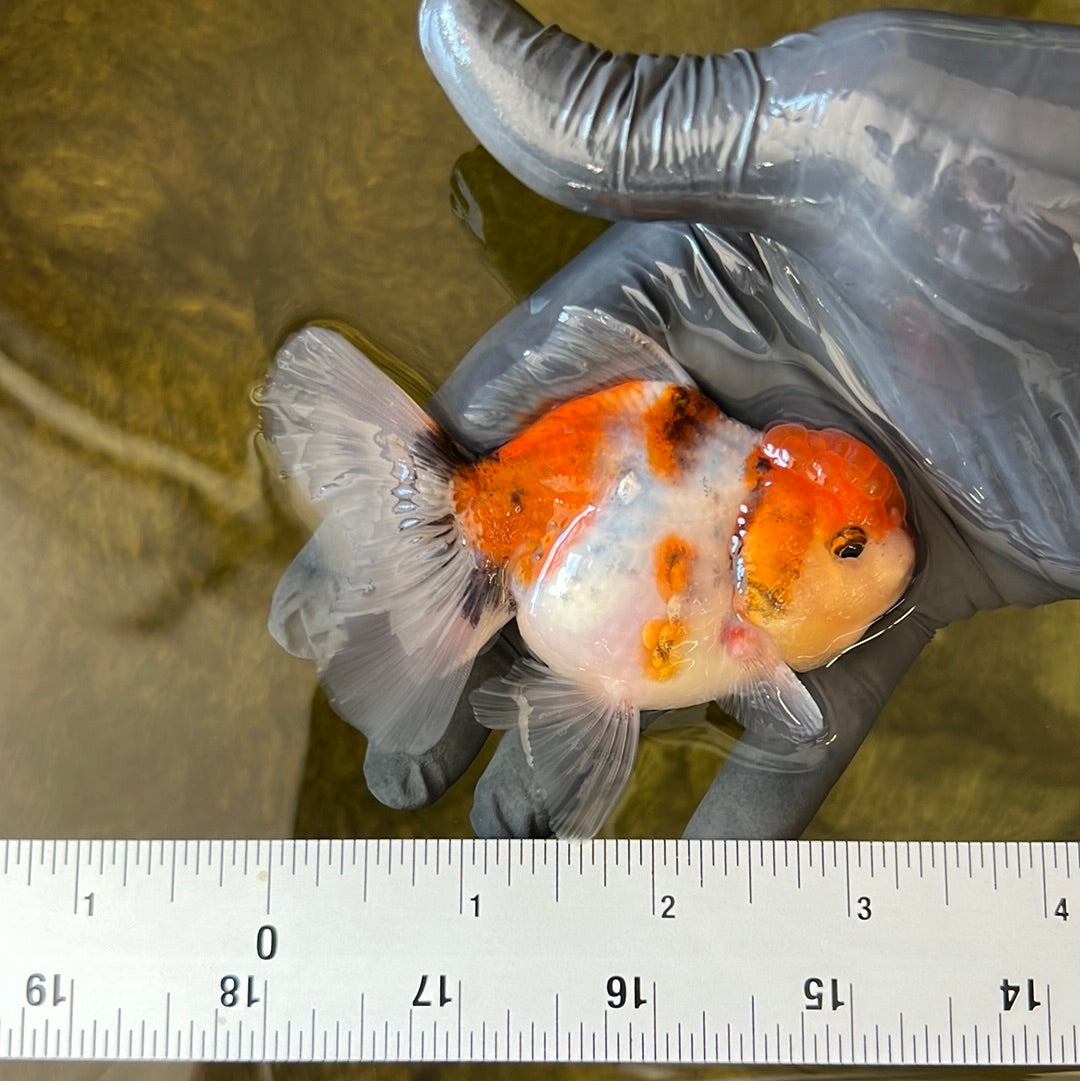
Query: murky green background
(180, 184)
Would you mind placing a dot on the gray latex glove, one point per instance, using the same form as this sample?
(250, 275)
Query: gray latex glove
(906, 190)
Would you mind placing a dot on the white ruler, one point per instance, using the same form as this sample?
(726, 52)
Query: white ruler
(613, 951)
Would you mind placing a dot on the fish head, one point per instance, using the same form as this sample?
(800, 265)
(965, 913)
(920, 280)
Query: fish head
(822, 546)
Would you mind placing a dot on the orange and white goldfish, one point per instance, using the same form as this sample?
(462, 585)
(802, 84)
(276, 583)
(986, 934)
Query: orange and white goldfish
(654, 552)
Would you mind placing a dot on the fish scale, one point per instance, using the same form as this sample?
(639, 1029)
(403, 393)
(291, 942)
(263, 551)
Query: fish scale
(652, 951)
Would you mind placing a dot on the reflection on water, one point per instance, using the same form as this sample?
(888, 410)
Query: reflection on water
(180, 185)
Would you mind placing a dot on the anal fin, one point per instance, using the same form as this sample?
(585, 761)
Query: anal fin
(580, 741)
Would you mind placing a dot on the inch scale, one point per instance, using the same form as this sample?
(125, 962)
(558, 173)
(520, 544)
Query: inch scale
(776, 952)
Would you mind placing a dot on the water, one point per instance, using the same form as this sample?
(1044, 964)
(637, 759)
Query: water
(180, 185)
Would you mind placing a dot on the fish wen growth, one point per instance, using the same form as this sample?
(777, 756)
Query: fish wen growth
(654, 552)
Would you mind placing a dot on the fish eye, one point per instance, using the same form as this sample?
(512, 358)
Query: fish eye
(848, 543)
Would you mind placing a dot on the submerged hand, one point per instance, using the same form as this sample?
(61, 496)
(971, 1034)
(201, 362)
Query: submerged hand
(907, 193)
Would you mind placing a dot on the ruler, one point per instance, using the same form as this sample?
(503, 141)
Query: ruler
(613, 951)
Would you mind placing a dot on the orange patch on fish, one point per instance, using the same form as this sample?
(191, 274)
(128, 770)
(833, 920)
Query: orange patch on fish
(773, 548)
(839, 464)
(661, 639)
(514, 505)
(673, 558)
(674, 425)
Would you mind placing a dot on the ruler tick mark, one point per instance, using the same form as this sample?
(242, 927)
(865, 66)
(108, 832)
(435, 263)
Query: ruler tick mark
(847, 880)
(1045, 902)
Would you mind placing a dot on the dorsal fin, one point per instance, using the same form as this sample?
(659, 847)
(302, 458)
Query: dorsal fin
(586, 351)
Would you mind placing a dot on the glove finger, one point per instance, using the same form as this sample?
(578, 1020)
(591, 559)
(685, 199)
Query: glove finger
(405, 782)
(746, 801)
(511, 80)
(710, 137)
(506, 802)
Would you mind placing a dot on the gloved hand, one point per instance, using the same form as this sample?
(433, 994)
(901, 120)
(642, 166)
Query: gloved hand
(906, 193)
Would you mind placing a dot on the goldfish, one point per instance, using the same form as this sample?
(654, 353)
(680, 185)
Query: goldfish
(654, 552)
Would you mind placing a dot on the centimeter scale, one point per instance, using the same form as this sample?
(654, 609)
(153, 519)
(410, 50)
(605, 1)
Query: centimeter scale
(613, 951)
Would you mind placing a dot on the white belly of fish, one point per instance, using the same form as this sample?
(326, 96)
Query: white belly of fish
(587, 612)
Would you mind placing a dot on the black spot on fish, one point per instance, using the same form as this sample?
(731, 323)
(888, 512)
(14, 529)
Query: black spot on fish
(675, 425)
(483, 591)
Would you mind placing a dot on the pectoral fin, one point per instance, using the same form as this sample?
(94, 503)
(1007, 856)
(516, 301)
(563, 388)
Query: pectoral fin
(580, 742)
(772, 699)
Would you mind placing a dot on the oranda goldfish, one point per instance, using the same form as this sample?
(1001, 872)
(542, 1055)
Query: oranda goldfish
(654, 552)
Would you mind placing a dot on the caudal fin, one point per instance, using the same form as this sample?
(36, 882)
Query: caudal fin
(385, 597)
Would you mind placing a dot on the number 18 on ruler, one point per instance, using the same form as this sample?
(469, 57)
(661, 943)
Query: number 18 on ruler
(615, 951)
